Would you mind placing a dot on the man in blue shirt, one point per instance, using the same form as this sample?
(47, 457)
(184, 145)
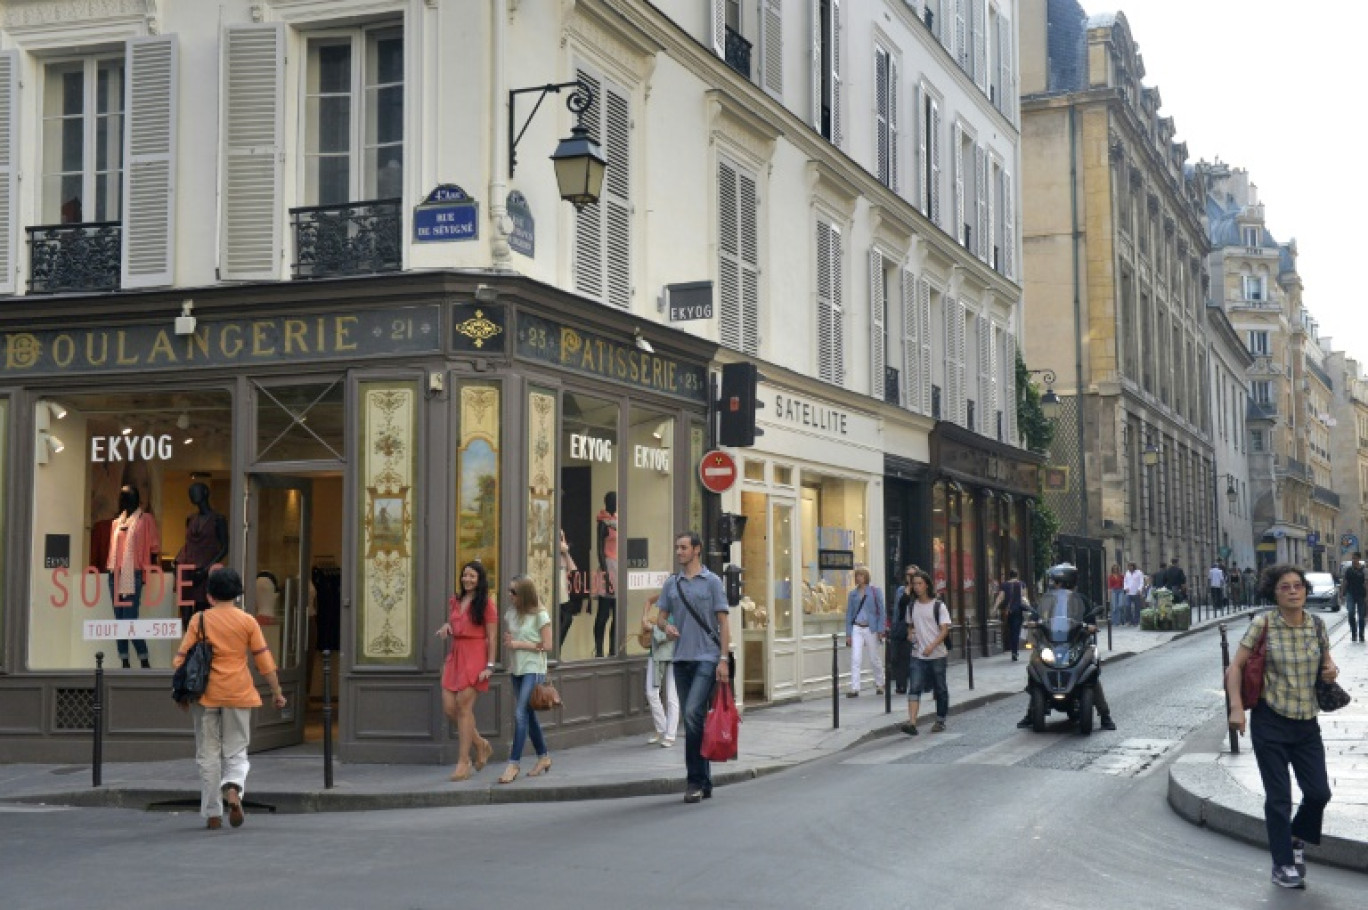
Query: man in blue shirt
(695, 602)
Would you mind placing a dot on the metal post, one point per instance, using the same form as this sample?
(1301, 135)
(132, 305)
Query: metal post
(97, 718)
(888, 674)
(1225, 665)
(968, 651)
(835, 686)
(327, 721)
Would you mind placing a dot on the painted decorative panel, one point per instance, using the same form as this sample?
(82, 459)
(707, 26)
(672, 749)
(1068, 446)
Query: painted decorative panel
(542, 539)
(478, 482)
(388, 465)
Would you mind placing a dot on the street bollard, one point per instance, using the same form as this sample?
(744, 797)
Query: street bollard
(835, 686)
(327, 721)
(888, 677)
(97, 713)
(1225, 665)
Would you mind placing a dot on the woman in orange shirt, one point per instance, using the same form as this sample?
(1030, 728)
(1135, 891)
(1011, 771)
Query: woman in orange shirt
(473, 627)
(223, 714)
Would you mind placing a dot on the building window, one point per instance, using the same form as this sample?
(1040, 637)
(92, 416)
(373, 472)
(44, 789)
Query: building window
(603, 232)
(1257, 441)
(1258, 343)
(589, 520)
(354, 117)
(1251, 236)
(886, 117)
(1254, 287)
(827, 104)
(111, 492)
(1262, 391)
(83, 130)
(929, 155)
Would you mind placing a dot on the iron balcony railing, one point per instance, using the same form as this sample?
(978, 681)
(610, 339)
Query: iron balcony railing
(1328, 497)
(892, 385)
(935, 402)
(74, 257)
(738, 51)
(354, 238)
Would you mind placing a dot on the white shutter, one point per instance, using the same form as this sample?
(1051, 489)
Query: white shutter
(728, 262)
(1004, 100)
(588, 258)
(772, 46)
(1010, 399)
(748, 229)
(955, 406)
(878, 341)
(816, 19)
(991, 191)
(830, 314)
(836, 137)
(717, 13)
(924, 333)
(617, 201)
(1008, 226)
(149, 178)
(980, 244)
(881, 115)
(894, 183)
(923, 127)
(984, 330)
(9, 170)
(961, 36)
(980, 49)
(934, 140)
(911, 346)
(995, 382)
(957, 151)
(253, 149)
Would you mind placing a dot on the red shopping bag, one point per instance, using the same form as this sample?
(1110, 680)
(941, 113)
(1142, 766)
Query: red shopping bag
(721, 726)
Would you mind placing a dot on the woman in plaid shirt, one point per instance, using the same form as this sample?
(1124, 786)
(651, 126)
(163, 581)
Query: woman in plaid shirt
(1283, 724)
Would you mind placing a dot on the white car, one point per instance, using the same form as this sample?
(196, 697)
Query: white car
(1324, 592)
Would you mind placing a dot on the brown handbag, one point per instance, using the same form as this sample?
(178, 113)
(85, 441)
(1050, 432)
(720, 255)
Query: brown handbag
(544, 696)
(1251, 683)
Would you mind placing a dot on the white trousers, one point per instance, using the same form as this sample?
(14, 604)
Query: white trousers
(221, 739)
(665, 716)
(864, 639)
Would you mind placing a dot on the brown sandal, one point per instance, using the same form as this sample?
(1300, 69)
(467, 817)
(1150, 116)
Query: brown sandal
(510, 774)
(483, 750)
(231, 796)
(543, 765)
(459, 774)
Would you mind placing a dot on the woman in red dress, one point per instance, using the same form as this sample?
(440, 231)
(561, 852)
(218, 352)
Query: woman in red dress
(473, 627)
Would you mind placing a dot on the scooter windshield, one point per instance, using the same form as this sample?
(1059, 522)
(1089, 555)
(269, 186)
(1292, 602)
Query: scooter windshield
(1061, 612)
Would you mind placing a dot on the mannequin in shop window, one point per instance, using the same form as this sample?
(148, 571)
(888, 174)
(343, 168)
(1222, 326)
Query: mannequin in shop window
(608, 564)
(206, 544)
(133, 547)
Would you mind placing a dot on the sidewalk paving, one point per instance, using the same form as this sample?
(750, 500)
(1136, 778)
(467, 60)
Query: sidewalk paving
(1223, 791)
(1219, 790)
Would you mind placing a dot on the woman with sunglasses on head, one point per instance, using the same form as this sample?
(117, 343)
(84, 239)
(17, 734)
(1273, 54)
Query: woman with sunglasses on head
(1283, 725)
(527, 638)
(472, 627)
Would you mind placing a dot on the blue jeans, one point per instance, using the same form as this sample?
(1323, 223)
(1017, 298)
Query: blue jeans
(525, 719)
(1354, 607)
(1280, 741)
(1137, 603)
(694, 681)
(127, 608)
(929, 674)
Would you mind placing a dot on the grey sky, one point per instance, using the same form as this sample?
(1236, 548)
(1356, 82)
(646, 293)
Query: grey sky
(1270, 87)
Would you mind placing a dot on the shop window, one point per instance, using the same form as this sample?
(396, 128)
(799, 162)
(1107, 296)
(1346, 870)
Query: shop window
(833, 543)
(4, 505)
(755, 470)
(589, 520)
(783, 475)
(112, 489)
(301, 422)
(647, 550)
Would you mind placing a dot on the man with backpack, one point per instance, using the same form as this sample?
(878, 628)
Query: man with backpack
(928, 626)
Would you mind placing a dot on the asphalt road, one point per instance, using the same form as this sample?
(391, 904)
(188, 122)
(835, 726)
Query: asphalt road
(982, 816)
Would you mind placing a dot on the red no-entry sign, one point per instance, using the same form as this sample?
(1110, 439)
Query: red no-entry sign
(717, 471)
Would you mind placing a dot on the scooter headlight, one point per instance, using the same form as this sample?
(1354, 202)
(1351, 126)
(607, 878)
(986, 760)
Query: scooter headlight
(1047, 655)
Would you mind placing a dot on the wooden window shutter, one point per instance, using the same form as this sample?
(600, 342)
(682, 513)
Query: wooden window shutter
(981, 239)
(1004, 100)
(1008, 226)
(934, 140)
(984, 330)
(253, 152)
(980, 49)
(830, 316)
(927, 344)
(149, 178)
(923, 128)
(894, 181)
(772, 50)
(836, 138)
(738, 259)
(961, 36)
(1010, 398)
(617, 184)
(957, 141)
(878, 340)
(881, 114)
(911, 343)
(9, 169)
(748, 251)
(718, 14)
(816, 18)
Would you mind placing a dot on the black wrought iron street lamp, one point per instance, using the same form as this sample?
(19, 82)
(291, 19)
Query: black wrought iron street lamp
(1049, 402)
(579, 160)
(1150, 454)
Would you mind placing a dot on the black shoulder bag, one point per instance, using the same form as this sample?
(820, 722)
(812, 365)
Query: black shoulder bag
(707, 627)
(1330, 696)
(192, 676)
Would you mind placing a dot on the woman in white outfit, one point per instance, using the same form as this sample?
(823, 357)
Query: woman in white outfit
(660, 678)
(866, 624)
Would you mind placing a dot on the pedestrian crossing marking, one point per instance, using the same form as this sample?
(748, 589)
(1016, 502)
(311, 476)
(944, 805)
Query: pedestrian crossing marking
(1011, 750)
(894, 752)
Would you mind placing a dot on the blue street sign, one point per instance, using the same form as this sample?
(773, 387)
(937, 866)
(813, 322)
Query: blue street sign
(448, 214)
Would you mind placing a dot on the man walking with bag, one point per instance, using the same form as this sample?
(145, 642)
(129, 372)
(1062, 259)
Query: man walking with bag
(695, 602)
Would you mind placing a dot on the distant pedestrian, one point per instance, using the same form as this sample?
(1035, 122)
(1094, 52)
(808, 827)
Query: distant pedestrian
(696, 603)
(1283, 725)
(1175, 579)
(1216, 585)
(1354, 592)
(526, 639)
(1234, 586)
(1134, 585)
(223, 714)
(1009, 599)
(928, 627)
(1116, 593)
(900, 649)
(1251, 586)
(865, 628)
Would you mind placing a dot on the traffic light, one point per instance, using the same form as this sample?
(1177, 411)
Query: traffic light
(736, 426)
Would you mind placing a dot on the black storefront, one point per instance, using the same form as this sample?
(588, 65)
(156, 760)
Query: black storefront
(359, 441)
